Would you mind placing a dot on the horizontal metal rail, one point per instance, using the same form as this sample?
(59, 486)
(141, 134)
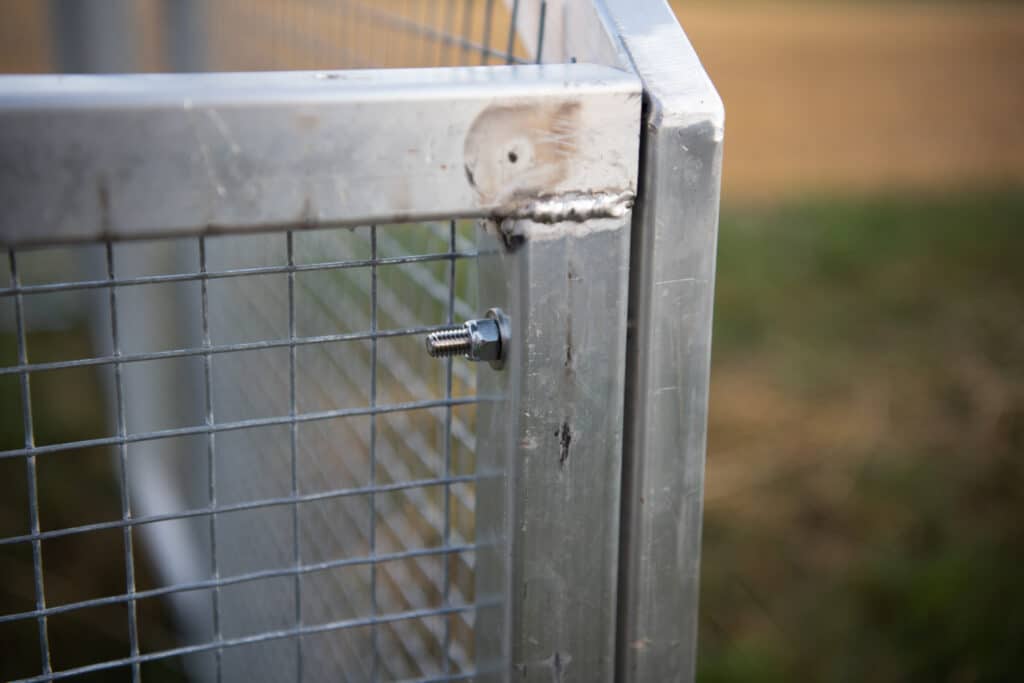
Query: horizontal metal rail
(89, 157)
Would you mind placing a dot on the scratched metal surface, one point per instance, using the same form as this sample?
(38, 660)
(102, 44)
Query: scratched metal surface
(150, 155)
(671, 277)
(548, 522)
(551, 517)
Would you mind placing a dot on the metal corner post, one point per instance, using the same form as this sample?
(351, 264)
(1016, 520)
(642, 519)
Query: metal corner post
(550, 424)
(672, 270)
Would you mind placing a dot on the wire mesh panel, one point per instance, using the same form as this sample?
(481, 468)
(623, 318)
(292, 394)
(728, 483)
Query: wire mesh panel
(353, 33)
(37, 36)
(299, 467)
(298, 471)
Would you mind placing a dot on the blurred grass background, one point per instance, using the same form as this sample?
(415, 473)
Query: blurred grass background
(864, 485)
(865, 473)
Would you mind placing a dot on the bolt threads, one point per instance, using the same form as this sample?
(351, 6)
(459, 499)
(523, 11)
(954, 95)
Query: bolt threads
(449, 342)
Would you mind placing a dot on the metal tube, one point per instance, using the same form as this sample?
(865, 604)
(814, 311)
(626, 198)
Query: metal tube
(672, 271)
(551, 448)
(197, 153)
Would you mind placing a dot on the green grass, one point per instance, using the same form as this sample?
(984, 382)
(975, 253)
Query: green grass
(843, 276)
(895, 557)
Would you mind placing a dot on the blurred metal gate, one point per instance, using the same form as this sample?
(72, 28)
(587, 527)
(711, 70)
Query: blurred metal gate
(259, 256)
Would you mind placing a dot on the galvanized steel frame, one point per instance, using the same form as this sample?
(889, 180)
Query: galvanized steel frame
(550, 452)
(591, 463)
(132, 156)
(672, 271)
(668, 352)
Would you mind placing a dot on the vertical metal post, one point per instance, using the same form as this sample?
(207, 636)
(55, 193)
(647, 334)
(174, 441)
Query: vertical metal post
(549, 424)
(98, 36)
(185, 40)
(672, 271)
(485, 53)
(510, 48)
(551, 457)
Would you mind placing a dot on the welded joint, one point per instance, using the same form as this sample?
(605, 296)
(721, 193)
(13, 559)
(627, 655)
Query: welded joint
(571, 214)
(575, 207)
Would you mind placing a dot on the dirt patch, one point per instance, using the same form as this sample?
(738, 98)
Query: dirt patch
(841, 98)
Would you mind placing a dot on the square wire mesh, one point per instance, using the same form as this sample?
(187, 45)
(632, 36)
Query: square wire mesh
(315, 34)
(258, 413)
(230, 457)
(246, 35)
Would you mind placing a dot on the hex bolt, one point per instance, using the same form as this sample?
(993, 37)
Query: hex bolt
(448, 342)
(482, 339)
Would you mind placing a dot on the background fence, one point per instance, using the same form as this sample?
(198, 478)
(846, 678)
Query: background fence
(232, 35)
